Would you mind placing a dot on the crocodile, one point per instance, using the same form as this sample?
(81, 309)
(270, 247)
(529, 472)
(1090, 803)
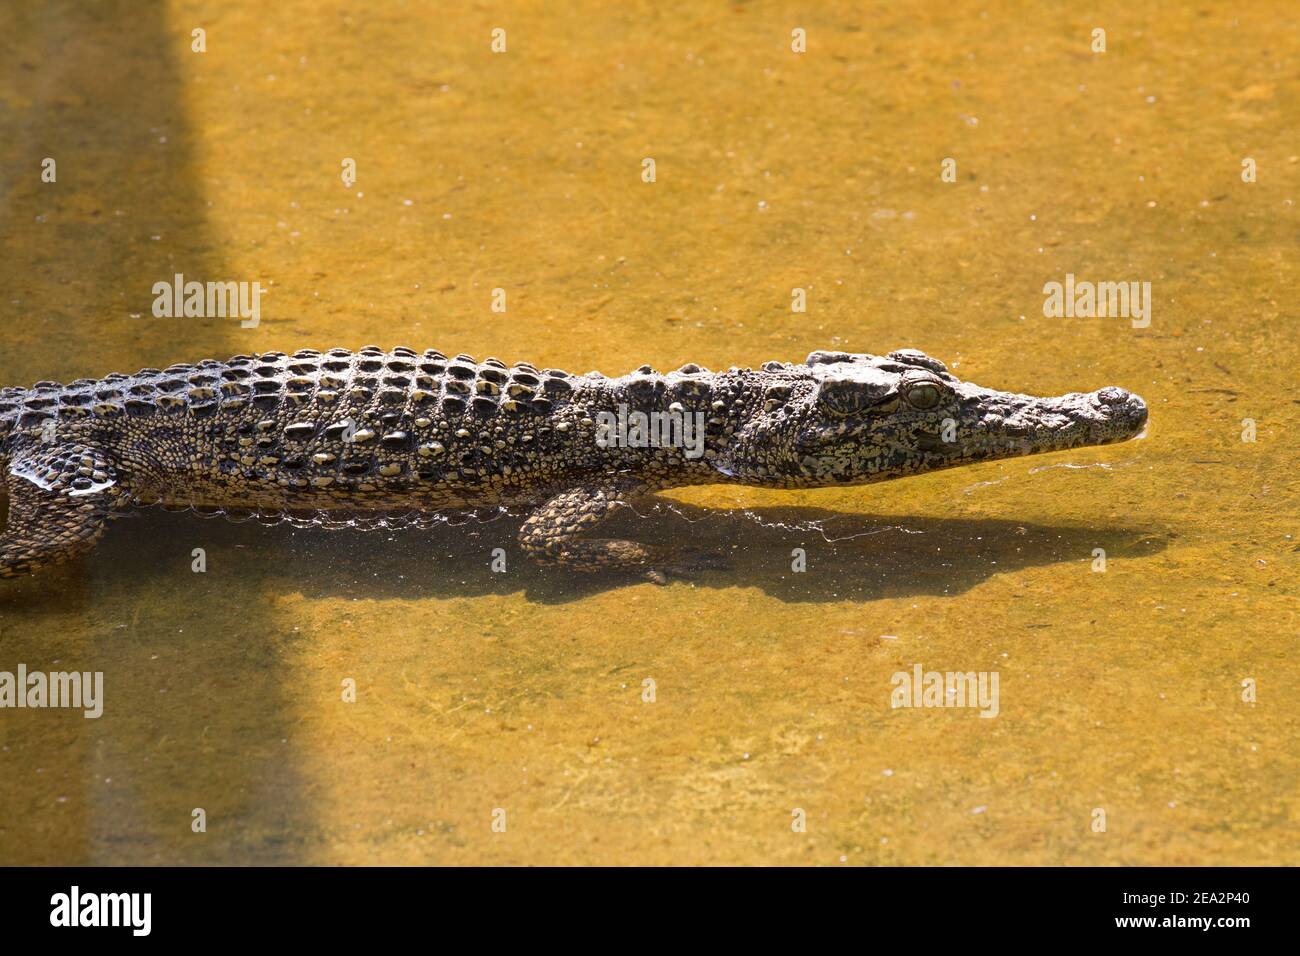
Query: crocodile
(378, 432)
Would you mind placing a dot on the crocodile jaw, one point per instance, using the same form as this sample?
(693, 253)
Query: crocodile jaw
(991, 425)
(988, 426)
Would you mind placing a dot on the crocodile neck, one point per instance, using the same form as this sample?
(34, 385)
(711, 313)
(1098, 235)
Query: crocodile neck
(665, 430)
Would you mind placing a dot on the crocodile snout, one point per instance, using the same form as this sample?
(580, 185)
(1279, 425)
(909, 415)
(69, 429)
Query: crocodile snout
(1125, 412)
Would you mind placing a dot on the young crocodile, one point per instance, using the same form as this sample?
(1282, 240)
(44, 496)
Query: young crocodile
(376, 431)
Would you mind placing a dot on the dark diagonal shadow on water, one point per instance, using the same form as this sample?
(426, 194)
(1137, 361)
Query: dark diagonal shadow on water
(98, 89)
(848, 556)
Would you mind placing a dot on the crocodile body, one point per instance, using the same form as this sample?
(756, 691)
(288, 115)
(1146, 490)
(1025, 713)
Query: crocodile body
(405, 431)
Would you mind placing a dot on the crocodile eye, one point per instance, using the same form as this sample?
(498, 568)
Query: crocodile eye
(922, 395)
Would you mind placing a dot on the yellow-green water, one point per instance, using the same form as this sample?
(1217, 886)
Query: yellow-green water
(477, 691)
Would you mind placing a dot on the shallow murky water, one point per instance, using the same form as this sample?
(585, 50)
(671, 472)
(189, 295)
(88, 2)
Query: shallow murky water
(523, 692)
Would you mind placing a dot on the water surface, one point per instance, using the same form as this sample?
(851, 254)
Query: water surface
(523, 691)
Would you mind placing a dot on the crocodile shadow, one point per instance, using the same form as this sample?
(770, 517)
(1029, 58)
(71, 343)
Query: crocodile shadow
(848, 556)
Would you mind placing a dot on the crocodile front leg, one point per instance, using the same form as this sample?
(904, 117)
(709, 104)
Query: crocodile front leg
(553, 534)
(59, 500)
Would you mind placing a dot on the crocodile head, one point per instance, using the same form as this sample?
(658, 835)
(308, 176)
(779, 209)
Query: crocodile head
(844, 418)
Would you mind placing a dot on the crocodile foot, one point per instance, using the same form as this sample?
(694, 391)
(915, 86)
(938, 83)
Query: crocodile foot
(555, 534)
(59, 500)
